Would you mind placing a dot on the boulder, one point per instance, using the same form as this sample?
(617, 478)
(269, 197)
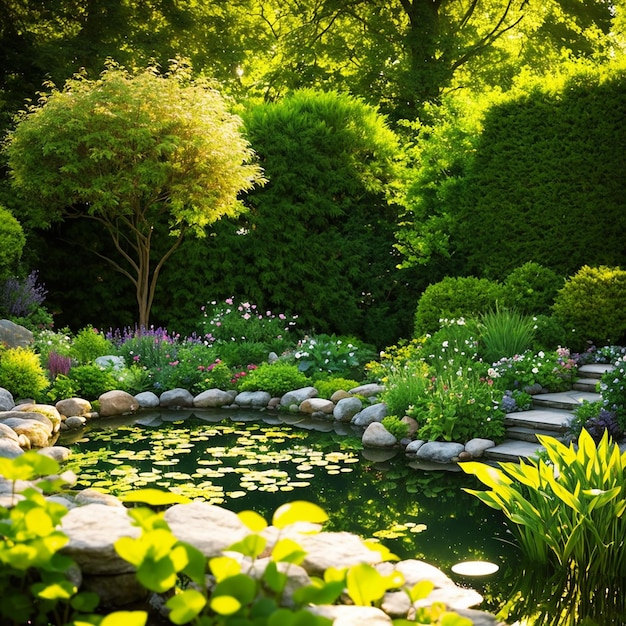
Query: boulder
(377, 436)
(147, 400)
(117, 402)
(476, 447)
(74, 422)
(253, 399)
(439, 451)
(298, 396)
(214, 398)
(38, 433)
(6, 432)
(72, 407)
(93, 496)
(345, 615)
(111, 361)
(10, 449)
(414, 446)
(317, 405)
(368, 390)
(373, 413)
(47, 410)
(6, 400)
(58, 453)
(178, 398)
(14, 335)
(346, 408)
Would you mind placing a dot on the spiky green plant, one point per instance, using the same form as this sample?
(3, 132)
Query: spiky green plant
(505, 333)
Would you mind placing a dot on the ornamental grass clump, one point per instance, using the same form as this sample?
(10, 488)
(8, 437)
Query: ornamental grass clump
(505, 333)
(567, 511)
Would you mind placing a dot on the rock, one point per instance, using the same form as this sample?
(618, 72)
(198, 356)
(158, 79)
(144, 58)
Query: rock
(297, 577)
(373, 413)
(346, 408)
(10, 449)
(344, 615)
(72, 407)
(8, 417)
(6, 432)
(117, 402)
(147, 400)
(214, 398)
(92, 530)
(93, 496)
(14, 335)
(74, 422)
(47, 410)
(340, 394)
(253, 399)
(176, 399)
(39, 434)
(377, 436)
(58, 453)
(298, 396)
(209, 528)
(371, 389)
(317, 405)
(412, 424)
(272, 357)
(439, 451)
(476, 447)
(6, 400)
(111, 361)
(115, 591)
(414, 571)
(24, 442)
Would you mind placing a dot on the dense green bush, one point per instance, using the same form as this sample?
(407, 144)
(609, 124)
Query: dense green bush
(275, 378)
(592, 303)
(21, 373)
(326, 387)
(92, 381)
(12, 242)
(531, 289)
(88, 345)
(453, 298)
(395, 426)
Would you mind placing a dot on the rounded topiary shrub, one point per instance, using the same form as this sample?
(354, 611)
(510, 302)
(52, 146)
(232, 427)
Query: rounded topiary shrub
(592, 303)
(275, 378)
(531, 289)
(22, 374)
(453, 298)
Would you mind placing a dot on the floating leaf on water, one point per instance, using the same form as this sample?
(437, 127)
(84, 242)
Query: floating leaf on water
(300, 484)
(304, 467)
(236, 494)
(334, 472)
(287, 488)
(249, 462)
(166, 462)
(304, 475)
(418, 528)
(346, 470)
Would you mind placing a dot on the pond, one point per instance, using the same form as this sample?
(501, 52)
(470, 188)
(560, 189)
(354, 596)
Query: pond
(254, 460)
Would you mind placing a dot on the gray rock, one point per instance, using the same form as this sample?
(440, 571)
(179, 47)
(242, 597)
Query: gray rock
(439, 451)
(344, 615)
(214, 398)
(14, 335)
(377, 436)
(414, 446)
(6, 432)
(317, 405)
(46, 410)
(117, 402)
(58, 453)
(346, 408)
(115, 591)
(176, 398)
(147, 400)
(298, 396)
(253, 399)
(10, 449)
(371, 389)
(373, 413)
(39, 434)
(340, 394)
(476, 447)
(75, 422)
(6, 400)
(93, 496)
(111, 361)
(73, 407)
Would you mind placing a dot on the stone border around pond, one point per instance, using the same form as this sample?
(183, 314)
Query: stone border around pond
(37, 425)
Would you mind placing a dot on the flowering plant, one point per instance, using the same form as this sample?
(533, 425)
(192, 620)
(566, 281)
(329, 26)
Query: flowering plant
(554, 371)
(613, 391)
(516, 400)
(455, 344)
(395, 359)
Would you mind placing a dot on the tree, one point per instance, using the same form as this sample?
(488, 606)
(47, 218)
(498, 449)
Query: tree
(136, 154)
(12, 242)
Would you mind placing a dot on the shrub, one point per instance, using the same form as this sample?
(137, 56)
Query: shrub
(92, 381)
(592, 303)
(395, 358)
(395, 426)
(407, 388)
(531, 289)
(58, 364)
(453, 345)
(505, 333)
(240, 353)
(613, 391)
(455, 298)
(596, 420)
(550, 334)
(152, 347)
(22, 374)
(12, 242)
(47, 340)
(62, 388)
(89, 344)
(326, 387)
(275, 378)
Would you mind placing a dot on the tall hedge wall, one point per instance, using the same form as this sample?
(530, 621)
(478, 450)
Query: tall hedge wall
(548, 182)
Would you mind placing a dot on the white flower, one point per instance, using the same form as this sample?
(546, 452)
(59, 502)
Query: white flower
(445, 344)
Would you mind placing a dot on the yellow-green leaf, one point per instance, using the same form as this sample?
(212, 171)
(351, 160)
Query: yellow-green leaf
(255, 522)
(185, 606)
(298, 511)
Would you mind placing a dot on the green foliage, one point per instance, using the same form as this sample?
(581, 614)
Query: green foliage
(505, 333)
(455, 298)
(47, 341)
(326, 387)
(328, 354)
(406, 388)
(88, 345)
(591, 302)
(394, 425)
(275, 378)
(583, 413)
(62, 388)
(613, 391)
(531, 289)
(460, 405)
(12, 242)
(21, 373)
(91, 381)
(396, 358)
(454, 344)
(568, 512)
(550, 334)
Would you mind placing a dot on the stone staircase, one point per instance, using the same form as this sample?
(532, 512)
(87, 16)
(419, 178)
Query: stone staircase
(551, 415)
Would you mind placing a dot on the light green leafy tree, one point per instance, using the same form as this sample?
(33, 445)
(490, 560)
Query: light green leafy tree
(146, 157)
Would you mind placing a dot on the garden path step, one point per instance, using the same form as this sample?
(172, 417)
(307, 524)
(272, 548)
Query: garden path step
(568, 400)
(553, 420)
(586, 384)
(520, 433)
(595, 370)
(512, 450)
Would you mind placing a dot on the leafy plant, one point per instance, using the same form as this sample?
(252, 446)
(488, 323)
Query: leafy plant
(275, 378)
(396, 358)
(21, 297)
(531, 289)
(21, 373)
(568, 511)
(516, 400)
(613, 391)
(326, 387)
(394, 425)
(91, 381)
(505, 333)
(407, 388)
(455, 344)
(88, 345)
(152, 347)
(47, 340)
(62, 388)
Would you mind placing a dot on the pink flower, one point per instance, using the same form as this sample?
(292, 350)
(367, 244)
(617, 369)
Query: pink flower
(228, 301)
(174, 363)
(246, 316)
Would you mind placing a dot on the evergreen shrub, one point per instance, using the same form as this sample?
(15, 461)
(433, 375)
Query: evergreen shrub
(531, 289)
(92, 381)
(89, 344)
(326, 387)
(12, 242)
(22, 374)
(454, 298)
(592, 303)
(275, 378)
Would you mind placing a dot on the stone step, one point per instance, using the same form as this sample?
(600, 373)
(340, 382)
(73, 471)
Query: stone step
(519, 433)
(587, 384)
(594, 370)
(512, 451)
(567, 400)
(555, 421)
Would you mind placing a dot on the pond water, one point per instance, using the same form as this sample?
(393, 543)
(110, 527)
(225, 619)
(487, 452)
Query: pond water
(254, 460)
